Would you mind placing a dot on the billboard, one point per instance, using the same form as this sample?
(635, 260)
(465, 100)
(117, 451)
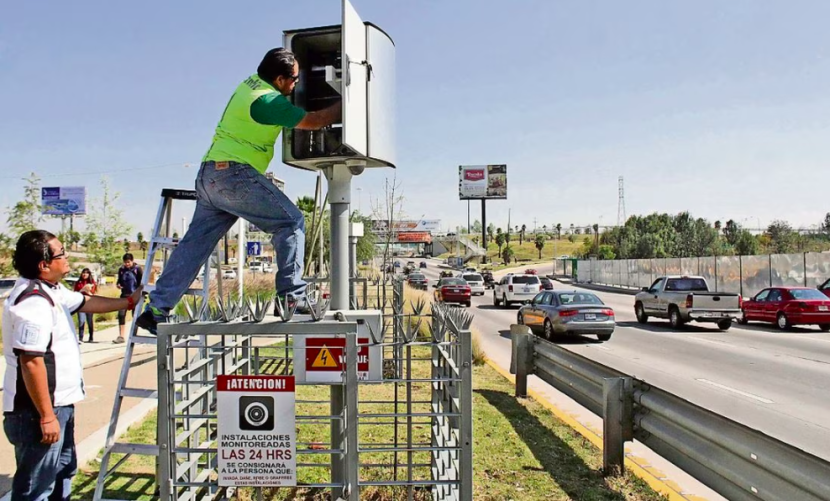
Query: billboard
(415, 237)
(63, 201)
(482, 181)
(381, 226)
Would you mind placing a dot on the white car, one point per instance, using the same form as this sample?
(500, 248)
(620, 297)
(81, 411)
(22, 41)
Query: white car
(519, 288)
(267, 268)
(475, 281)
(228, 274)
(255, 267)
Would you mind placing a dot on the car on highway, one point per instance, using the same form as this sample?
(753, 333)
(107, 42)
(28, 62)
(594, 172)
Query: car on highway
(446, 274)
(572, 313)
(423, 265)
(397, 264)
(825, 287)
(515, 288)
(6, 286)
(530, 271)
(683, 299)
(788, 306)
(475, 281)
(547, 284)
(417, 281)
(489, 281)
(453, 290)
(256, 267)
(228, 274)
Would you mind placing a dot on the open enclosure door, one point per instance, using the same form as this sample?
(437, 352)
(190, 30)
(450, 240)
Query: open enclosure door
(354, 81)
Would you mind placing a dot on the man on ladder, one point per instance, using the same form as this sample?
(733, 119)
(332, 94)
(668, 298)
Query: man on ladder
(231, 184)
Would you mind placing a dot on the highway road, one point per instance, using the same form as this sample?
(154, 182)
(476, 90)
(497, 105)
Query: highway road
(776, 382)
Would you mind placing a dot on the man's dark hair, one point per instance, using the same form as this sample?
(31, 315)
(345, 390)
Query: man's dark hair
(277, 62)
(32, 248)
(127, 256)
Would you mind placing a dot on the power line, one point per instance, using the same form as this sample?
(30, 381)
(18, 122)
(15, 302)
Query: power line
(116, 171)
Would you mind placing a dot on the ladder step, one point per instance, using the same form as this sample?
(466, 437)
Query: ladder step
(144, 340)
(140, 449)
(179, 194)
(139, 393)
(193, 292)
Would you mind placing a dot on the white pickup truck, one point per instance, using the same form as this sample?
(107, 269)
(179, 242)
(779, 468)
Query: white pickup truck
(683, 299)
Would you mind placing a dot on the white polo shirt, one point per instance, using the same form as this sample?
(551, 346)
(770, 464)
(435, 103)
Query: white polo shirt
(34, 326)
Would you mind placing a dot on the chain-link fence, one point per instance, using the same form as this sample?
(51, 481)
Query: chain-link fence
(745, 275)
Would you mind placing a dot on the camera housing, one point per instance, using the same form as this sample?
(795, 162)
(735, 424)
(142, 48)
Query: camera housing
(256, 413)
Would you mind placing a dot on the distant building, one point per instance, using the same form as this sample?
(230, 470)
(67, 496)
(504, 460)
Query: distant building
(279, 183)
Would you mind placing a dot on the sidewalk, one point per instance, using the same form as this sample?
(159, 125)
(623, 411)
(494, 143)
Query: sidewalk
(102, 361)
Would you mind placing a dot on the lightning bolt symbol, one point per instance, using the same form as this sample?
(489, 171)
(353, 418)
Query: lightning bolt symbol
(323, 357)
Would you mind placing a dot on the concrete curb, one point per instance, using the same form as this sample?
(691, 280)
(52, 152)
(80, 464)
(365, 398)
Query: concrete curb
(599, 288)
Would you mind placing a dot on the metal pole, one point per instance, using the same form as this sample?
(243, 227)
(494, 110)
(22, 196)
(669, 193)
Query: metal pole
(613, 443)
(484, 229)
(242, 258)
(466, 421)
(165, 471)
(352, 271)
(521, 359)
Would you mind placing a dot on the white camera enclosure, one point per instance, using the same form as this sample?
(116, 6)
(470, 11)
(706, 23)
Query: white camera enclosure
(354, 62)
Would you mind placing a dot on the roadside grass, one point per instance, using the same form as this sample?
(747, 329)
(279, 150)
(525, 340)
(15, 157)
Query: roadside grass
(521, 451)
(527, 252)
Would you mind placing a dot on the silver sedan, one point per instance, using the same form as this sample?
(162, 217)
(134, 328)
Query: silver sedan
(572, 313)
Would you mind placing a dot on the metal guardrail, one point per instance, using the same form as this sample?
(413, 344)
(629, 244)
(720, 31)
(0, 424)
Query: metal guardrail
(736, 461)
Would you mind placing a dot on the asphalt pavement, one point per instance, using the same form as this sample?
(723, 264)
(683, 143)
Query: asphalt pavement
(775, 382)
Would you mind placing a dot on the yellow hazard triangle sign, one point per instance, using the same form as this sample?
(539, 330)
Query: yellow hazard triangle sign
(324, 359)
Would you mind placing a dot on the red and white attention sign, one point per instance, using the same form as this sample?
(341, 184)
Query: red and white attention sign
(327, 354)
(257, 438)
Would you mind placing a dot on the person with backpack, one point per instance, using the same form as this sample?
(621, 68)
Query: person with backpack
(86, 285)
(129, 280)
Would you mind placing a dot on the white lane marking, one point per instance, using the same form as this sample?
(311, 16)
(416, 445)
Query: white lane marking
(733, 390)
(599, 347)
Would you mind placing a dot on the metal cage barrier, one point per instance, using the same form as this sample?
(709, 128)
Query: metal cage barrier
(736, 461)
(425, 414)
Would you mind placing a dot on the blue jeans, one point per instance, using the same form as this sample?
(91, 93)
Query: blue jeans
(85, 319)
(225, 195)
(44, 472)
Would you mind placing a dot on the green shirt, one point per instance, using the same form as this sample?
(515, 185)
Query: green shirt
(274, 109)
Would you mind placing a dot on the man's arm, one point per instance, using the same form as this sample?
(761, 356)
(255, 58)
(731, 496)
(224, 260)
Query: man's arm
(33, 370)
(100, 304)
(318, 119)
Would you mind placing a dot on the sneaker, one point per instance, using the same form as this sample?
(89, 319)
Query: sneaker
(298, 304)
(150, 319)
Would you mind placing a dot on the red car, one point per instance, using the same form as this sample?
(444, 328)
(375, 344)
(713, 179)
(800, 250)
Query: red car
(788, 306)
(453, 290)
(825, 287)
(530, 271)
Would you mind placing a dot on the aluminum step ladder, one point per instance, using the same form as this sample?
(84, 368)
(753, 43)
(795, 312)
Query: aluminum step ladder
(161, 242)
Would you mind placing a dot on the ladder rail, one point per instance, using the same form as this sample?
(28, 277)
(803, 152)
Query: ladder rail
(160, 241)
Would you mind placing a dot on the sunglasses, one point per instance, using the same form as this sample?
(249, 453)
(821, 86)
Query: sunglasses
(293, 78)
(60, 254)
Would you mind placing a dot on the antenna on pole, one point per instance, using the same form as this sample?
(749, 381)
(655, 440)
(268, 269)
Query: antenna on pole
(621, 203)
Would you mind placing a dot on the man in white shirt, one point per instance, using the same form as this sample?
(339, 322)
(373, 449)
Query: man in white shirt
(44, 377)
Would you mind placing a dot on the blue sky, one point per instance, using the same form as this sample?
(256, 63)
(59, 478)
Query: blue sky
(719, 108)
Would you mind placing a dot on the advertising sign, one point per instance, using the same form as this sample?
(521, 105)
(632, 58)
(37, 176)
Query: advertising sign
(63, 201)
(482, 181)
(324, 358)
(381, 226)
(415, 237)
(257, 439)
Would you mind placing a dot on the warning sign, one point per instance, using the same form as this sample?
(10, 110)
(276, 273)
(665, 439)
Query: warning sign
(257, 440)
(326, 354)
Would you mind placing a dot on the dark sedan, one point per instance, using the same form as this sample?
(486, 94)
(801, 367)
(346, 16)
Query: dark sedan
(547, 284)
(417, 281)
(571, 313)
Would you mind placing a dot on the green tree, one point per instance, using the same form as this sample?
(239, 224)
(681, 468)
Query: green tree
(825, 226)
(507, 254)
(126, 245)
(540, 244)
(366, 243)
(105, 226)
(522, 234)
(782, 238)
(746, 244)
(142, 244)
(306, 204)
(558, 231)
(27, 213)
(732, 232)
(476, 227)
(500, 237)
(491, 231)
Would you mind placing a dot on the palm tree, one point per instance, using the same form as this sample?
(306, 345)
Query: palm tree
(558, 231)
(306, 204)
(499, 240)
(540, 244)
(522, 234)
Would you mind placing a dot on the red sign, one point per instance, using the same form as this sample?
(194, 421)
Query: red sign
(474, 175)
(255, 383)
(326, 354)
(415, 236)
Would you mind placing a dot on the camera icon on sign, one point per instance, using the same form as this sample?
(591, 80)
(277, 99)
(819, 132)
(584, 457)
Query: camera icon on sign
(256, 413)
